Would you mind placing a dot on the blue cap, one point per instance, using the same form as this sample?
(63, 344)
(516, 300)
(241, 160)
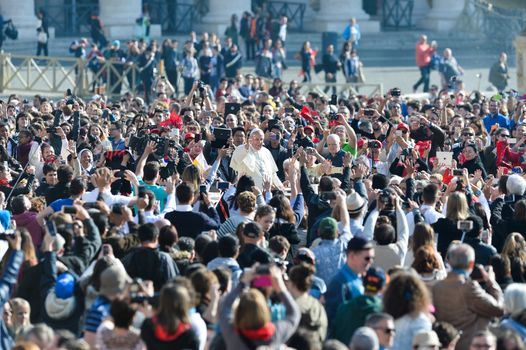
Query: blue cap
(116, 43)
(65, 285)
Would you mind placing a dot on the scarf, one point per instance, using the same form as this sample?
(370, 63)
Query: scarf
(5, 183)
(264, 333)
(162, 334)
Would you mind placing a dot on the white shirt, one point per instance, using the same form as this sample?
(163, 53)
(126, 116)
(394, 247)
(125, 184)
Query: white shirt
(428, 212)
(109, 198)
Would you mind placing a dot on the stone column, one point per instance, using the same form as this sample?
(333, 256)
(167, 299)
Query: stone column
(218, 17)
(118, 17)
(22, 12)
(443, 15)
(520, 52)
(334, 15)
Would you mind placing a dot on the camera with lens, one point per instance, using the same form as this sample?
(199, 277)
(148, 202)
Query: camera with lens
(138, 144)
(333, 116)
(201, 88)
(386, 197)
(396, 92)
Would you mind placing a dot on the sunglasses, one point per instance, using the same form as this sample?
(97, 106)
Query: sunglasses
(503, 135)
(468, 134)
(387, 330)
(369, 258)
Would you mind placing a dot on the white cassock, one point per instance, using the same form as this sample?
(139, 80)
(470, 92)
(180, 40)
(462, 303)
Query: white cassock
(256, 164)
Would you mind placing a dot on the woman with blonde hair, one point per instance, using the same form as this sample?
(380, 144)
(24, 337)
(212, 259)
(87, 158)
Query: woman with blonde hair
(515, 250)
(446, 228)
(251, 326)
(407, 299)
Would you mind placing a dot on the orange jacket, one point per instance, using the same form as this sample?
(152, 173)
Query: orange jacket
(424, 52)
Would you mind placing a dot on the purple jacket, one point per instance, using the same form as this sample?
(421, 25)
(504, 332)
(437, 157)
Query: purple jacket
(28, 220)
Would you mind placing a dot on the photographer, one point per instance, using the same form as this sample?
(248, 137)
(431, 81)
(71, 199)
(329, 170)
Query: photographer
(250, 326)
(391, 237)
(506, 210)
(61, 294)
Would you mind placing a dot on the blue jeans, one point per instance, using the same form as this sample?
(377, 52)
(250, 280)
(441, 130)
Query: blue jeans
(425, 73)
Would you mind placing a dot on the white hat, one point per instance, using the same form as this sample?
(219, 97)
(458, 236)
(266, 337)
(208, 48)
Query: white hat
(426, 338)
(355, 202)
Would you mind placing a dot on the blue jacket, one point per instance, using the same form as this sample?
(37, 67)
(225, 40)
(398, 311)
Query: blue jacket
(491, 120)
(7, 282)
(344, 286)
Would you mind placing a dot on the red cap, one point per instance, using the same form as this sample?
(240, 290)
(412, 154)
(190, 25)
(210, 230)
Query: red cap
(189, 135)
(308, 127)
(361, 142)
(402, 126)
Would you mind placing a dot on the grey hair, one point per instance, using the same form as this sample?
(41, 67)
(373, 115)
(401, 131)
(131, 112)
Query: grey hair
(335, 137)
(515, 297)
(459, 256)
(257, 131)
(516, 184)
(373, 319)
(364, 338)
(42, 332)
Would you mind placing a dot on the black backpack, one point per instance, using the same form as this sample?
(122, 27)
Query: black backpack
(10, 31)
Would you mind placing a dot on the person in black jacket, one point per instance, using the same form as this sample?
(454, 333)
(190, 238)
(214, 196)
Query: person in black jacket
(188, 222)
(279, 153)
(170, 328)
(147, 262)
(483, 251)
(61, 189)
(446, 228)
(472, 160)
(508, 211)
(330, 65)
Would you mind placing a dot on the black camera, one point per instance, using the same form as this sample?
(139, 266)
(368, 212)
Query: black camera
(138, 144)
(373, 144)
(333, 116)
(201, 88)
(396, 92)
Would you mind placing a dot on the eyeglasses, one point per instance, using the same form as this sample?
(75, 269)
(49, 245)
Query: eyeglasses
(481, 346)
(404, 131)
(504, 135)
(468, 134)
(386, 330)
(369, 258)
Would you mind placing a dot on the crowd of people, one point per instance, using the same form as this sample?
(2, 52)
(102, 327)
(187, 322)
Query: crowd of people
(240, 215)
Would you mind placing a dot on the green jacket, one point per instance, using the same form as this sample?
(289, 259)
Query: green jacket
(351, 316)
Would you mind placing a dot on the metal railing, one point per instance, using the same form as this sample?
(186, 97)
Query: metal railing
(176, 17)
(68, 18)
(397, 13)
(344, 89)
(54, 75)
(294, 11)
(497, 24)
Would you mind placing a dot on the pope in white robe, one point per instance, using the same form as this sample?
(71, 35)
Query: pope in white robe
(256, 161)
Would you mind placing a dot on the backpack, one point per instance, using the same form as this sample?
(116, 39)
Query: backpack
(11, 32)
